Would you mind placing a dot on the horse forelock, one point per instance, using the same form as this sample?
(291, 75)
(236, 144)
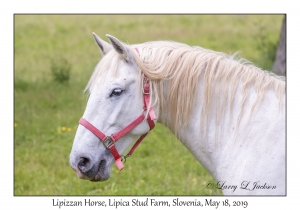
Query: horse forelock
(109, 62)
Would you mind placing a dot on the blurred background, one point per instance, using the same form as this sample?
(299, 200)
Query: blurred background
(54, 57)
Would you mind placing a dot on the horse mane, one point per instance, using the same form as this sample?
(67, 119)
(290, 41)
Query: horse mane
(177, 67)
(180, 68)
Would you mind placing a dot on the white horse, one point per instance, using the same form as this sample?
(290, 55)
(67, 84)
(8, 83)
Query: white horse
(228, 113)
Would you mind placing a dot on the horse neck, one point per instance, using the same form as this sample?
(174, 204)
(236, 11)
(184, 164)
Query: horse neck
(215, 140)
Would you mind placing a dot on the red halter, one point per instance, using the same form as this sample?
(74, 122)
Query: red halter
(108, 141)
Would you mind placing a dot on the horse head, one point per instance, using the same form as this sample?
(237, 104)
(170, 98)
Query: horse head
(115, 112)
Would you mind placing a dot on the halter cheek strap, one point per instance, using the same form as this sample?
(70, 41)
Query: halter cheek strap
(108, 141)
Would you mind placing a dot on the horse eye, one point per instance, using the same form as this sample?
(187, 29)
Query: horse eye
(116, 92)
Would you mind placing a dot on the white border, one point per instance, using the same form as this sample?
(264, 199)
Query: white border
(154, 6)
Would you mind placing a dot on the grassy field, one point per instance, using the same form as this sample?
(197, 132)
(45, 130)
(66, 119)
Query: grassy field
(46, 112)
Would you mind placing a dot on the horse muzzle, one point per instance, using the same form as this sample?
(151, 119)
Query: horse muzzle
(88, 169)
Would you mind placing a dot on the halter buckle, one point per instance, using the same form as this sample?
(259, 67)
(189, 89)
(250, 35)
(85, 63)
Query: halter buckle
(146, 88)
(146, 92)
(108, 142)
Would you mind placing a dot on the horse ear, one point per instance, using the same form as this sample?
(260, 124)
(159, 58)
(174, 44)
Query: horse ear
(103, 46)
(119, 47)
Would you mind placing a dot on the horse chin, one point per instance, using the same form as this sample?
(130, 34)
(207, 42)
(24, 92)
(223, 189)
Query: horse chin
(103, 173)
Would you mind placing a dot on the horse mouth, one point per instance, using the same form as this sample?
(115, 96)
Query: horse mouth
(103, 173)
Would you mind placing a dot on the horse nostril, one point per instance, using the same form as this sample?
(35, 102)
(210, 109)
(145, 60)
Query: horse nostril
(84, 164)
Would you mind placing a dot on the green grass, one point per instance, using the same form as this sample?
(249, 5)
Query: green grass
(161, 165)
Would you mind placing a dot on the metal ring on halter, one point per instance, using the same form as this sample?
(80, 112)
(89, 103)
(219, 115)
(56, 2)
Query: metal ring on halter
(124, 157)
(108, 142)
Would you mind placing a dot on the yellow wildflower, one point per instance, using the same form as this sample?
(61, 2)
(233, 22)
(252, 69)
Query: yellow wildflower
(69, 129)
(63, 128)
(15, 124)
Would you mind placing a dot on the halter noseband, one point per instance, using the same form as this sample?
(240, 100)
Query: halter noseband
(108, 141)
